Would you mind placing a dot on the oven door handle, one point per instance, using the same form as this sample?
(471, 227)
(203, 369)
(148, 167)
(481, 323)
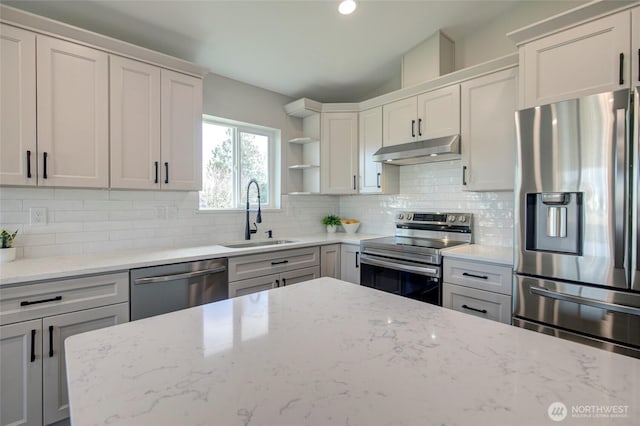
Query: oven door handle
(585, 301)
(398, 266)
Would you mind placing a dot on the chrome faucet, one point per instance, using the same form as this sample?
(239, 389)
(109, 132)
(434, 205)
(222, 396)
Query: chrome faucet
(247, 230)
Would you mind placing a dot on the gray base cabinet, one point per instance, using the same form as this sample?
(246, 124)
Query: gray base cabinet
(330, 260)
(258, 272)
(350, 263)
(478, 288)
(35, 321)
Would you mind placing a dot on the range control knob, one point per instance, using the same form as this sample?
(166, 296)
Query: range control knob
(401, 216)
(451, 218)
(462, 219)
(409, 216)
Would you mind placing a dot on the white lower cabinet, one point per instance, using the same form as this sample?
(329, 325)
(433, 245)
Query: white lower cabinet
(35, 320)
(481, 303)
(330, 260)
(478, 288)
(258, 272)
(350, 263)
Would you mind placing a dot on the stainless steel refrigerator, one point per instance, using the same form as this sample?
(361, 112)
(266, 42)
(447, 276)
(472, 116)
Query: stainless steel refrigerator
(576, 211)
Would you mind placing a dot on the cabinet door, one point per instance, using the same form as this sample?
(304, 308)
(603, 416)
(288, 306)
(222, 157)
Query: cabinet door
(21, 373)
(135, 124)
(350, 263)
(299, 275)
(339, 153)
(181, 138)
(488, 131)
(73, 115)
(330, 260)
(375, 178)
(17, 106)
(399, 121)
(439, 113)
(480, 303)
(55, 330)
(253, 285)
(635, 46)
(576, 62)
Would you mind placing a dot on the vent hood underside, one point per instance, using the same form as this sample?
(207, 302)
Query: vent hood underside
(426, 151)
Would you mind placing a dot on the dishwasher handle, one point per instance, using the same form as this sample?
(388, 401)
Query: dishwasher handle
(165, 278)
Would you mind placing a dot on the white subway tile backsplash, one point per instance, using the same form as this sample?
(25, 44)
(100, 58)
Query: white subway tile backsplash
(81, 237)
(10, 205)
(52, 250)
(7, 193)
(81, 194)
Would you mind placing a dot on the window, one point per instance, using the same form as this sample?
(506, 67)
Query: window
(232, 155)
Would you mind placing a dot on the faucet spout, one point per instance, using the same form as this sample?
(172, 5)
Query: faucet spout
(247, 229)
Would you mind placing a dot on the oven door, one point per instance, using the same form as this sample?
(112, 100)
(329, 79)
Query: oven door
(409, 279)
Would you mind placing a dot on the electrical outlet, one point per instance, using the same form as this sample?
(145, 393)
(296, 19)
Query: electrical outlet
(38, 215)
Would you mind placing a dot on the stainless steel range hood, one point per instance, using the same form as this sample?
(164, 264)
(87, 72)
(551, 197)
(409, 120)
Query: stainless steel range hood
(426, 151)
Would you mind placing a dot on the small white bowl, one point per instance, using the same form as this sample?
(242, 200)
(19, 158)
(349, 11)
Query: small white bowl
(351, 228)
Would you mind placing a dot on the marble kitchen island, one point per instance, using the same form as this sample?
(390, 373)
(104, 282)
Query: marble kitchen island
(327, 352)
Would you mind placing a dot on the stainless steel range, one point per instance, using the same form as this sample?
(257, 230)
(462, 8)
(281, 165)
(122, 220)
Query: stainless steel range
(410, 264)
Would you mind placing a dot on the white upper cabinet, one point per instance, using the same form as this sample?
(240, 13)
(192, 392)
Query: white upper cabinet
(488, 131)
(135, 124)
(181, 127)
(73, 129)
(439, 113)
(339, 153)
(586, 59)
(429, 115)
(17, 106)
(635, 46)
(375, 177)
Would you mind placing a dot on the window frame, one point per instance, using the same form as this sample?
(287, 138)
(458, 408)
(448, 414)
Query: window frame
(273, 143)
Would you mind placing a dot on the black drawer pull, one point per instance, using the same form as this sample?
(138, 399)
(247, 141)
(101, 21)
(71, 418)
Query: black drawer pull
(50, 341)
(413, 131)
(166, 172)
(378, 181)
(29, 164)
(482, 277)
(464, 175)
(33, 345)
(280, 262)
(53, 299)
(156, 164)
(482, 311)
(284, 282)
(357, 264)
(44, 165)
(621, 69)
(277, 283)
(419, 126)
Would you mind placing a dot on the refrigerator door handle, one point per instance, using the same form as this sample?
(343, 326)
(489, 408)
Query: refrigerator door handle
(621, 165)
(539, 291)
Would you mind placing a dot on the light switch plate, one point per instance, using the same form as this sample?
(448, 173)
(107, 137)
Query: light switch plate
(38, 215)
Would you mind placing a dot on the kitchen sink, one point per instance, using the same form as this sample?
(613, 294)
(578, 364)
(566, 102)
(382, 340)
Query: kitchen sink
(257, 243)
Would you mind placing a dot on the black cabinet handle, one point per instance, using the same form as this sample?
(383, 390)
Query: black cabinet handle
(284, 282)
(621, 70)
(156, 164)
(413, 125)
(33, 345)
(279, 262)
(378, 180)
(357, 264)
(482, 311)
(482, 277)
(419, 126)
(354, 182)
(50, 341)
(35, 302)
(44, 165)
(277, 283)
(166, 172)
(464, 175)
(29, 164)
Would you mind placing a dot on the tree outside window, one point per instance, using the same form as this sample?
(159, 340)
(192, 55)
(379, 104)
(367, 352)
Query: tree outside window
(232, 156)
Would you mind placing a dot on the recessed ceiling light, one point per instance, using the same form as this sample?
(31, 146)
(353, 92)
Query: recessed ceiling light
(347, 7)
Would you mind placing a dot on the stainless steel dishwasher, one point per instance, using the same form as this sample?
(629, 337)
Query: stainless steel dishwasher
(160, 289)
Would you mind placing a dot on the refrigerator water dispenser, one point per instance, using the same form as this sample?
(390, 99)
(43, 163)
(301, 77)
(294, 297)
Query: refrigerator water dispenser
(554, 222)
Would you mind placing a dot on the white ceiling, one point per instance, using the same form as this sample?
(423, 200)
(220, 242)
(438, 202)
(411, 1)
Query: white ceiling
(297, 48)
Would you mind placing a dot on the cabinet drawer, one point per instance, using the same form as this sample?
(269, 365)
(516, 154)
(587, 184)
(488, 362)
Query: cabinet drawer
(480, 275)
(483, 304)
(252, 285)
(257, 265)
(37, 300)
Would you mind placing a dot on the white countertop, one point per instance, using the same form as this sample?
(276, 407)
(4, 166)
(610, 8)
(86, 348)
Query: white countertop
(481, 252)
(27, 270)
(326, 352)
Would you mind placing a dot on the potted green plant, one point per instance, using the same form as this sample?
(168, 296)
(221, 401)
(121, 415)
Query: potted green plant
(332, 222)
(7, 251)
